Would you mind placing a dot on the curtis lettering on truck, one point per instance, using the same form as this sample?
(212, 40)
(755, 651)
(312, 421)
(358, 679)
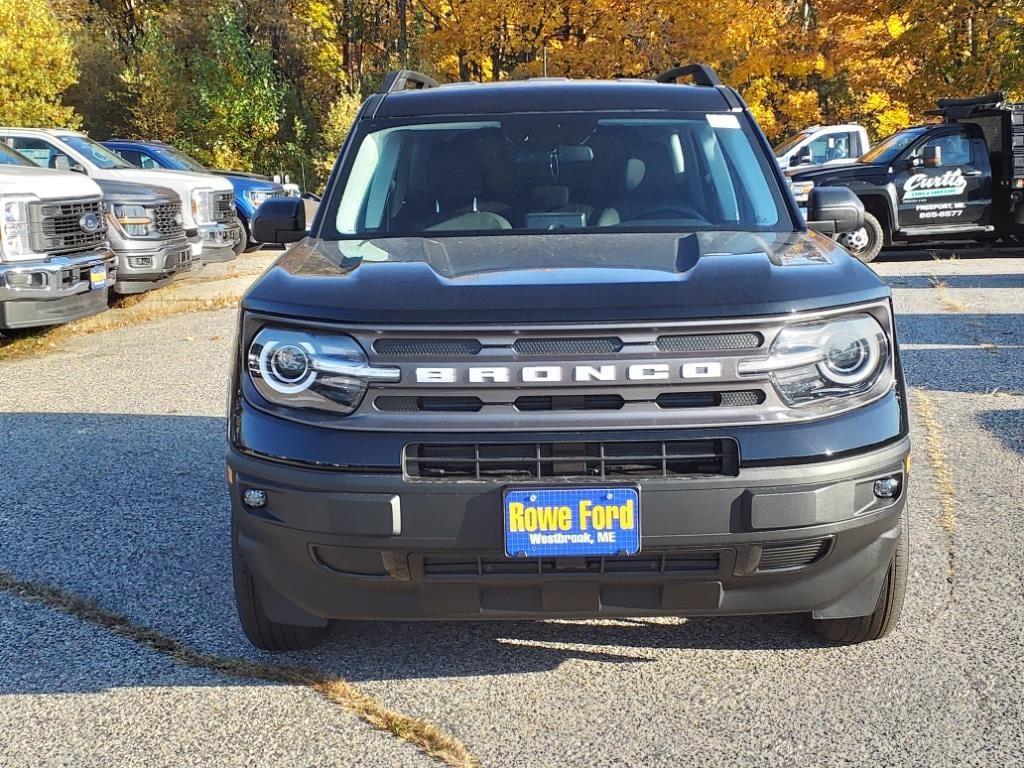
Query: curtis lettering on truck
(962, 178)
(561, 348)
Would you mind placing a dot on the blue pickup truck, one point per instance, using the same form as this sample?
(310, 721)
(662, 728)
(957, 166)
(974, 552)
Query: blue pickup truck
(250, 189)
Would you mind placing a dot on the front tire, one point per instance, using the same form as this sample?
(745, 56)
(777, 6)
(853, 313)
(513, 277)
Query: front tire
(865, 243)
(886, 616)
(262, 632)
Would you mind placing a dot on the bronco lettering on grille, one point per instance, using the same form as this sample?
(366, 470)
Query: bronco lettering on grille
(555, 374)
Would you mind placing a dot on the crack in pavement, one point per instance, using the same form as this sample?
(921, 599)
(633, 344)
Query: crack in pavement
(422, 734)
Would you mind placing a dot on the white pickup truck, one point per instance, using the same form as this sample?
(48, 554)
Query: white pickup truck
(55, 264)
(823, 145)
(208, 201)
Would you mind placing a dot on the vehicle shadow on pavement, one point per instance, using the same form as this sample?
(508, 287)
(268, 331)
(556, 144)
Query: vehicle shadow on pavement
(954, 352)
(132, 512)
(1006, 425)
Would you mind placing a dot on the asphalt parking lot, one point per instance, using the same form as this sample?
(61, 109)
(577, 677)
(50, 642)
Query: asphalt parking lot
(112, 490)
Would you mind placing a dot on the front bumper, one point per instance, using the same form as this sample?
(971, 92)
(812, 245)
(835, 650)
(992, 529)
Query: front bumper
(143, 265)
(54, 291)
(780, 539)
(218, 242)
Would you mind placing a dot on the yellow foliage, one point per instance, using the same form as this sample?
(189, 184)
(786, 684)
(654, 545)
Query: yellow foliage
(37, 64)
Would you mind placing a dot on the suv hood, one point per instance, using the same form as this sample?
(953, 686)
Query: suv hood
(548, 278)
(44, 183)
(142, 194)
(183, 182)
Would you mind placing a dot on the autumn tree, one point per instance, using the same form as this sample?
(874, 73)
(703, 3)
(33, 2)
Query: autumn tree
(37, 64)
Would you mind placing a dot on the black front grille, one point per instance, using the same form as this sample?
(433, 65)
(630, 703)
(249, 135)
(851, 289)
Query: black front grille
(410, 404)
(167, 219)
(223, 206)
(729, 399)
(426, 347)
(568, 346)
(777, 557)
(709, 342)
(569, 403)
(57, 227)
(682, 561)
(625, 459)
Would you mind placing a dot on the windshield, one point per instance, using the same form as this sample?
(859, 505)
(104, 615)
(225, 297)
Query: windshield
(890, 147)
(788, 144)
(566, 172)
(178, 161)
(95, 153)
(9, 157)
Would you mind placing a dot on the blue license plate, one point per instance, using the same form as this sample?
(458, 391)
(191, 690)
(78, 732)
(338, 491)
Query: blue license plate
(572, 522)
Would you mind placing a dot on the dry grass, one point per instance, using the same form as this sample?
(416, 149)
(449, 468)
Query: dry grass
(949, 303)
(124, 312)
(934, 444)
(418, 732)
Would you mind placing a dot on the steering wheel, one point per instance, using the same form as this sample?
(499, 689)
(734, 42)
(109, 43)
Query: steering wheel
(668, 212)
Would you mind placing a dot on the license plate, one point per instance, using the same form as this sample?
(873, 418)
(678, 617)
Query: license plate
(98, 277)
(572, 522)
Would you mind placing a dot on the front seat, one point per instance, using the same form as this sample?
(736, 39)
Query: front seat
(647, 184)
(455, 183)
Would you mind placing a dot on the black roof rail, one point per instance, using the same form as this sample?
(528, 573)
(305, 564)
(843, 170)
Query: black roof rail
(406, 80)
(702, 74)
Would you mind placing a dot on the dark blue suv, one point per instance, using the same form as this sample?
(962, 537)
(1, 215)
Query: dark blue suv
(250, 189)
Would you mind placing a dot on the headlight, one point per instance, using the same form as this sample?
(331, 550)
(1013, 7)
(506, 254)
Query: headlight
(306, 369)
(837, 358)
(258, 196)
(202, 205)
(15, 235)
(133, 220)
(801, 190)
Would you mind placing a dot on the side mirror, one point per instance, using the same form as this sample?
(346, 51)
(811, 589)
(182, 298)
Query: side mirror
(834, 210)
(279, 220)
(805, 156)
(932, 157)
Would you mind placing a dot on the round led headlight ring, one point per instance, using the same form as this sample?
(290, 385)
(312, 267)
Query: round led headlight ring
(287, 367)
(850, 359)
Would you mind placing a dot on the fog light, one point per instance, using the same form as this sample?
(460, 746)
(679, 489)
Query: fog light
(26, 280)
(255, 497)
(140, 261)
(887, 488)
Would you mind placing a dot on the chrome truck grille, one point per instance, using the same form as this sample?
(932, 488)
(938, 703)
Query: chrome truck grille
(223, 206)
(167, 219)
(67, 226)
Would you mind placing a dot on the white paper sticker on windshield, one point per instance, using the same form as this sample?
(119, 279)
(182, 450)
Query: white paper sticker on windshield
(718, 120)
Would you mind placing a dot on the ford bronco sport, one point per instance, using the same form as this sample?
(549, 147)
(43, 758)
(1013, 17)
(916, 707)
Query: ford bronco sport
(565, 349)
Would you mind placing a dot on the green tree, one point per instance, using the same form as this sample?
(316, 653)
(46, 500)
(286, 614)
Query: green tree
(234, 116)
(37, 64)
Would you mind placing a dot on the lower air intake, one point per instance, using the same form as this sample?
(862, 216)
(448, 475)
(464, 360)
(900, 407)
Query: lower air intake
(778, 557)
(609, 459)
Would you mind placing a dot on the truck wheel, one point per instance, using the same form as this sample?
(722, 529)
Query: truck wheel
(886, 616)
(866, 242)
(243, 240)
(261, 631)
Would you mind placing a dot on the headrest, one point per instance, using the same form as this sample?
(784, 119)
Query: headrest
(548, 196)
(636, 169)
(649, 169)
(454, 171)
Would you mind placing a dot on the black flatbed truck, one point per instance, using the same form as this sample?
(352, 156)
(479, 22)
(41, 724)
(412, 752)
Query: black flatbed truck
(958, 179)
